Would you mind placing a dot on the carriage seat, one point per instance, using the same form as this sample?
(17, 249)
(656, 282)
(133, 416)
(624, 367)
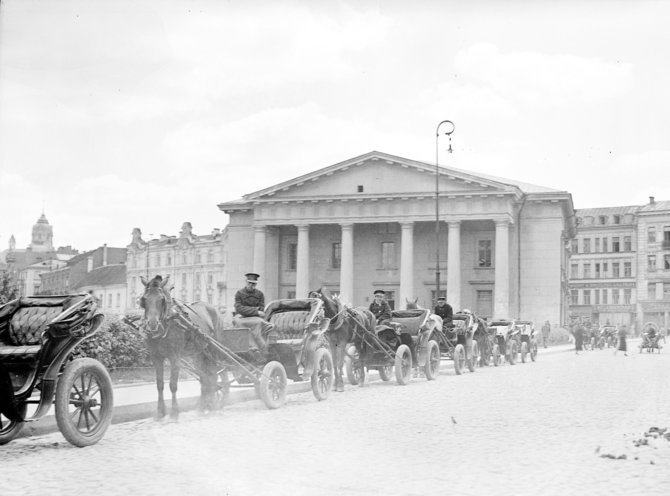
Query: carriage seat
(21, 331)
(411, 321)
(291, 318)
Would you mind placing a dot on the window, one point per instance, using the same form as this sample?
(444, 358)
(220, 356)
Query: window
(666, 235)
(118, 300)
(292, 252)
(666, 261)
(158, 259)
(587, 245)
(666, 290)
(196, 282)
(210, 279)
(587, 271)
(109, 300)
(616, 219)
(290, 295)
(604, 245)
(574, 246)
(596, 297)
(651, 234)
(597, 245)
(390, 298)
(627, 269)
(198, 257)
(587, 297)
(615, 297)
(604, 269)
(615, 269)
(388, 255)
(443, 294)
(168, 260)
(627, 243)
(574, 297)
(184, 258)
(597, 270)
(209, 298)
(336, 256)
(210, 256)
(574, 271)
(626, 296)
(651, 262)
(484, 253)
(651, 290)
(604, 298)
(360, 188)
(615, 244)
(602, 220)
(183, 281)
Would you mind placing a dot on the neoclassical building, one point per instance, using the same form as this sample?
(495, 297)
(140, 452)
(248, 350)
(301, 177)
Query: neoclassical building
(370, 222)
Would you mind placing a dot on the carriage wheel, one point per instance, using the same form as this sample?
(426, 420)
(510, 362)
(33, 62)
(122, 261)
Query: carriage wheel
(322, 377)
(512, 353)
(533, 350)
(9, 429)
(432, 367)
(524, 352)
(459, 358)
(273, 385)
(385, 373)
(473, 361)
(354, 367)
(403, 364)
(495, 353)
(84, 402)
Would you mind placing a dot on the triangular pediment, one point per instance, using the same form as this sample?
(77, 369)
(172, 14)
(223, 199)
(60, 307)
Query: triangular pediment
(377, 174)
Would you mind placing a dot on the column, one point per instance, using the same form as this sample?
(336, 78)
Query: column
(501, 294)
(347, 264)
(259, 254)
(302, 269)
(454, 266)
(406, 263)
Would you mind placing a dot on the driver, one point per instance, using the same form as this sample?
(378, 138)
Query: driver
(380, 308)
(249, 308)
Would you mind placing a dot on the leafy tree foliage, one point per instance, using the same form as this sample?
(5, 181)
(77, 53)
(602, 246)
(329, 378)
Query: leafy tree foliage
(8, 288)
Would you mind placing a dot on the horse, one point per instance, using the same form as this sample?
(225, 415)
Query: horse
(345, 323)
(174, 329)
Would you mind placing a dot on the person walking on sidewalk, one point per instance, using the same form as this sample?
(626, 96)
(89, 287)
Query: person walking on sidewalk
(622, 340)
(546, 329)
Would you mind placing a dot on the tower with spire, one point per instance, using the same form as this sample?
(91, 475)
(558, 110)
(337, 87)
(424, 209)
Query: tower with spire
(42, 240)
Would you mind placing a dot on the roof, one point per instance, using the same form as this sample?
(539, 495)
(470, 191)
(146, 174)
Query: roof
(107, 275)
(595, 212)
(657, 206)
(525, 187)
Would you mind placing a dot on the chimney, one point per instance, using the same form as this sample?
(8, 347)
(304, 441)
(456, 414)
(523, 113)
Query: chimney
(651, 200)
(104, 254)
(89, 267)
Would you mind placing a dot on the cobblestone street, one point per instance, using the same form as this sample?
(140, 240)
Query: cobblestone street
(553, 427)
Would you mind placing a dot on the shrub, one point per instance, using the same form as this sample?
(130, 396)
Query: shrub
(116, 345)
(559, 335)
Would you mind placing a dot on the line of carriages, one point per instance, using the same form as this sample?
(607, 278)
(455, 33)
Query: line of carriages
(38, 335)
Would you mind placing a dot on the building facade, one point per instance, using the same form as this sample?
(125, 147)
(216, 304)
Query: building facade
(370, 223)
(195, 264)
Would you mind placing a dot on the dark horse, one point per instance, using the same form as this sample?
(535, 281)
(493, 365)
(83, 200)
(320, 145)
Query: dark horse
(345, 323)
(173, 330)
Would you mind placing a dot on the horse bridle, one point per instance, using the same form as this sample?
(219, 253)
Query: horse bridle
(160, 331)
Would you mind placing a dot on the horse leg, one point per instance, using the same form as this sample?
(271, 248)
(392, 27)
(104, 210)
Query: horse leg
(207, 383)
(338, 355)
(160, 384)
(174, 381)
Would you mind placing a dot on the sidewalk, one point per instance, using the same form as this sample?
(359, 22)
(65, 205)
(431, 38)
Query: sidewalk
(138, 401)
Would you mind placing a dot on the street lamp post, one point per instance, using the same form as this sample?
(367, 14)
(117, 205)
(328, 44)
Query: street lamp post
(450, 128)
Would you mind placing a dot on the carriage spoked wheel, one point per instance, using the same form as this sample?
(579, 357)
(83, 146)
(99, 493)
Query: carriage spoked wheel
(403, 365)
(496, 355)
(524, 352)
(533, 350)
(354, 367)
(432, 366)
(473, 360)
(459, 358)
(84, 402)
(385, 373)
(322, 377)
(273, 384)
(9, 429)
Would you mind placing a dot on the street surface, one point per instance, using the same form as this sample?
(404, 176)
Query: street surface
(559, 426)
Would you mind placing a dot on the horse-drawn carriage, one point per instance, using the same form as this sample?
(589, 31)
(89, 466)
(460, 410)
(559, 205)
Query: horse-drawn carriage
(608, 336)
(37, 337)
(527, 339)
(402, 344)
(507, 341)
(651, 336)
(460, 342)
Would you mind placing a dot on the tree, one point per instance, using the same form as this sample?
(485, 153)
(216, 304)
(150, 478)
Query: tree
(8, 288)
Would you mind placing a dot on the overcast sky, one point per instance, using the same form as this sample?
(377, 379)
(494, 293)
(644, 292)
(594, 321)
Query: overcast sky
(146, 114)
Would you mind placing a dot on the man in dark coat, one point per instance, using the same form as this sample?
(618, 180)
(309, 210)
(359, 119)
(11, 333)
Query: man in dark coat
(249, 309)
(444, 310)
(380, 308)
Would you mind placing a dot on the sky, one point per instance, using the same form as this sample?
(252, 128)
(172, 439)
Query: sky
(115, 115)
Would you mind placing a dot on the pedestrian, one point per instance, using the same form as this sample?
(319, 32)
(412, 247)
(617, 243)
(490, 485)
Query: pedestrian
(579, 338)
(380, 307)
(546, 329)
(444, 310)
(249, 309)
(663, 332)
(622, 340)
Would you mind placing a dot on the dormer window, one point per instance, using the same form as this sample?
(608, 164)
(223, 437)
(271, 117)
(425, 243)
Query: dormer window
(602, 220)
(617, 219)
(360, 188)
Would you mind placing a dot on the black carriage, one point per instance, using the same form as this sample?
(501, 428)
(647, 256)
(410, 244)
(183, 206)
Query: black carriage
(402, 345)
(507, 341)
(460, 341)
(527, 339)
(651, 336)
(37, 337)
